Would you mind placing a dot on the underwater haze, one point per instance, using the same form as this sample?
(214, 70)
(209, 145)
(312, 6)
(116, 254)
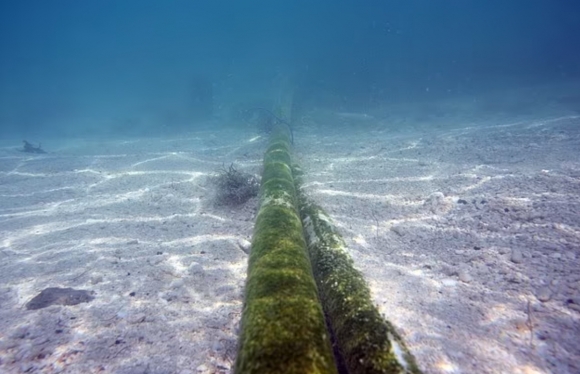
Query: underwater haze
(87, 68)
(436, 140)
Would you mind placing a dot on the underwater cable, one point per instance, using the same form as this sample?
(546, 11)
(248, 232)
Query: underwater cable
(279, 120)
(283, 330)
(365, 340)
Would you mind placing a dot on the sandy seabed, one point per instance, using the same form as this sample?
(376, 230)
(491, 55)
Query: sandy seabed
(468, 234)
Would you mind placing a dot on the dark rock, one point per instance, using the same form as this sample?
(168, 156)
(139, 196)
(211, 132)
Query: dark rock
(59, 296)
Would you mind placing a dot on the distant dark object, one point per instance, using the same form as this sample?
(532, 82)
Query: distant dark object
(201, 98)
(235, 187)
(461, 201)
(59, 296)
(29, 148)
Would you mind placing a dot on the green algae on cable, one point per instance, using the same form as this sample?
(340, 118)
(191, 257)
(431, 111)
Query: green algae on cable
(282, 328)
(366, 341)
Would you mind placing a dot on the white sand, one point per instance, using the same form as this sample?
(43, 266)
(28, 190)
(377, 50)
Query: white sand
(115, 218)
(119, 217)
(441, 270)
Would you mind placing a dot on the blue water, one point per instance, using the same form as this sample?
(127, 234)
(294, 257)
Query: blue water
(124, 68)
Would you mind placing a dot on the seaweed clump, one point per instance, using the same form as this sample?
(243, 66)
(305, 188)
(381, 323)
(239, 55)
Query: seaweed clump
(235, 187)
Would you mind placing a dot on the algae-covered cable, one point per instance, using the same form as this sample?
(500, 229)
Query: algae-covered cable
(366, 341)
(279, 120)
(282, 327)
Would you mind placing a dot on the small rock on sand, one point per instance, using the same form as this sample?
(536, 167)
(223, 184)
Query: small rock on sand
(245, 245)
(516, 256)
(464, 276)
(544, 294)
(196, 269)
(449, 282)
